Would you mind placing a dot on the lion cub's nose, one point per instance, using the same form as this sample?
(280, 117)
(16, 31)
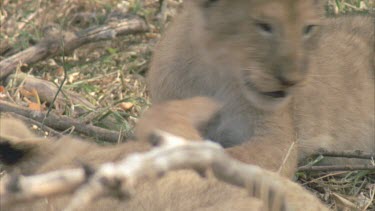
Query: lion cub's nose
(288, 82)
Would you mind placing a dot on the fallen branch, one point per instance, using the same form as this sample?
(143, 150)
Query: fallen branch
(347, 154)
(47, 90)
(4, 46)
(19, 188)
(51, 45)
(174, 154)
(62, 123)
(337, 168)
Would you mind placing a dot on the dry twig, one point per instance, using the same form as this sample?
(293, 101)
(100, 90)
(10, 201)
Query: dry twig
(50, 46)
(347, 154)
(47, 90)
(63, 123)
(338, 168)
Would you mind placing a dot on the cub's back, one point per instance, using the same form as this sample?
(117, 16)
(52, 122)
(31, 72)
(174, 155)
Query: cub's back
(335, 107)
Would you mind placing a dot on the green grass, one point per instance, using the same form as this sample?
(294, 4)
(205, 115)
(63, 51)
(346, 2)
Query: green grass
(351, 6)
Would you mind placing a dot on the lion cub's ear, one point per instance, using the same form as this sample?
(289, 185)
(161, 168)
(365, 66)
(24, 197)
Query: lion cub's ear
(16, 140)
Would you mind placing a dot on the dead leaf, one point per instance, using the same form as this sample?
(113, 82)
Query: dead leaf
(60, 71)
(36, 95)
(126, 105)
(152, 35)
(2, 92)
(35, 106)
(24, 92)
(343, 202)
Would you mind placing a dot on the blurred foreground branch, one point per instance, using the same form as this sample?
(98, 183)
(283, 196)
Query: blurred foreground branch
(175, 153)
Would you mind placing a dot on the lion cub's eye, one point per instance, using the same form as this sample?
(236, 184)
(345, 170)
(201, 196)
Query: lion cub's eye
(264, 27)
(307, 30)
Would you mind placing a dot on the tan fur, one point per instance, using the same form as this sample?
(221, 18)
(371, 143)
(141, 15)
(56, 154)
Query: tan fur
(182, 190)
(217, 51)
(222, 50)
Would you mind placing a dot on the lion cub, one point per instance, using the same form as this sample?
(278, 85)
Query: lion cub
(281, 71)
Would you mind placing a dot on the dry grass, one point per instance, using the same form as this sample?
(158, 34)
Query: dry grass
(110, 74)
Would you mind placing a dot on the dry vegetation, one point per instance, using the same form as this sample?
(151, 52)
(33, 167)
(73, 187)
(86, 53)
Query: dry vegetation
(110, 74)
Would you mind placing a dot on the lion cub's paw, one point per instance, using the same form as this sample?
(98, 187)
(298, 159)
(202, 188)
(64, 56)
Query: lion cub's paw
(273, 199)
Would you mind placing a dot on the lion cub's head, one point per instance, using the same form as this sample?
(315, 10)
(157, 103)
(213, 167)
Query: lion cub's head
(265, 43)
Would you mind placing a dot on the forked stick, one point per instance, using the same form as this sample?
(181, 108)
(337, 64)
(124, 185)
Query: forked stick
(174, 153)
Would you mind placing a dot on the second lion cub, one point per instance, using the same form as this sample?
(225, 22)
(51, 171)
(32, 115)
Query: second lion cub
(281, 71)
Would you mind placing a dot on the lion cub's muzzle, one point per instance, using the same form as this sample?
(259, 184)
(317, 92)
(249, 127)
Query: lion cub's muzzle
(276, 94)
(286, 83)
